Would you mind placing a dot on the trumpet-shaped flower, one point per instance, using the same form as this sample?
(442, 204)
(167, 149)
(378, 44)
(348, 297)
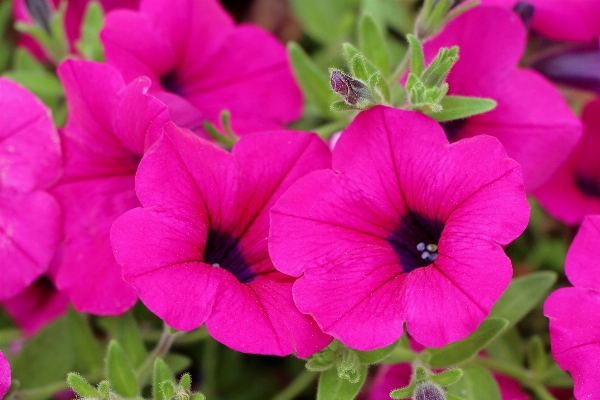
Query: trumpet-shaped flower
(404, 228)
(574, 190)
(30, 161)
(574, 312)
(197, 250)
(109, 127)
(201, 63)
(532, 120)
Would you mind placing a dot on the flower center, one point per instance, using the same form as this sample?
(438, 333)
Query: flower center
(416, 240)
(222, 251)
(588, 185)
(453, 128)
(171, 83)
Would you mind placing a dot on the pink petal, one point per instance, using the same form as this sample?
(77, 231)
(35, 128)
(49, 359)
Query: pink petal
(29, 236)
(5, 376)
(265, 311)
(581, 265)
(29, 147)
(574, 327)
(572, 21)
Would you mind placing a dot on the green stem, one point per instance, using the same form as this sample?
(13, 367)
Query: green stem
(297, 386)
(163, 346)
(327, 130)
(514, 371)
(194, 336)
(541, 392)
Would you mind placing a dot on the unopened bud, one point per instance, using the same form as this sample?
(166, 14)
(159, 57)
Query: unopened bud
(40, 12)
(428, 391)
(354, 92)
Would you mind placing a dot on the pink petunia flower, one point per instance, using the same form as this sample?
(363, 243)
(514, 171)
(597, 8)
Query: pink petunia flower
(109, 127)
(574, 312)
(36, 306)
(4, 375)
(73, 19)
(197, 250)
(30, 161)
(532, 120)
(200, 64)
(574, 190)
(405, 227)
(390, 377)
(564, 20)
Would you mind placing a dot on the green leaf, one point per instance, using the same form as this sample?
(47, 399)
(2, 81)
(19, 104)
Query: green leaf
(127, 333)
(556, 377)
(314, 83)
(456, 107)
(522, 295)
(46, 358)
(351, 52)
(104, 389)
(162, 373)
(41, 83)
(177, 362)
(403, 393)
(197, 396)
(186, 381)
(460, 351)
(476, 384)
(119, 371)
(447, 377)
(374, 356)
(507, 347)
(359, 67)
(372, 44)
(89, 45)
(341, 105)
(87, 349)
(24, 61)
(81, 386)
(379, 86)
(331, 387)
(417, 60)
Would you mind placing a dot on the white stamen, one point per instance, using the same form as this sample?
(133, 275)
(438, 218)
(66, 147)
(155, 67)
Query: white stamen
(421, 246)
(216, 265)
(424, 255)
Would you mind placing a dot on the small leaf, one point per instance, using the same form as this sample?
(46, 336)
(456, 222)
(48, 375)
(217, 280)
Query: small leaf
(197, 396)
(374, 356)
(331, 387)
(81, 386)
(417, 60)
(186, 381)
(556, 377)
(104, 389)
(323, 359)
(359, 67)
(522, 295)
(379, 86)
(403, 393)
(456, 107)
(127, 333)
(119, 371)
(351, 52)
(460, 351)
(161, 374)
(167, 388)
(314, 83)
(476, 384)
(447, 377)
(89, 45)
(372, 44)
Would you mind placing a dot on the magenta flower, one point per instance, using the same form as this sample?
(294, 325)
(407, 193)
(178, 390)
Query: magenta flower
(532, 120)
(574, 312)
(110, 125)
(574, 190)
(197, 251)
(405, 227)
(36, 306)
(566, 20)
(200, 64)
(73, 19)
(30, 161)
(4, 375)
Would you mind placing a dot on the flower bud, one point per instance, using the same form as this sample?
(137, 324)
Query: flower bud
(354, 92)
(40, 12)
(428, 391)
